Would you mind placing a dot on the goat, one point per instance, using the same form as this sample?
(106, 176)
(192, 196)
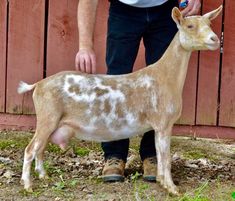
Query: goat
(112, 107)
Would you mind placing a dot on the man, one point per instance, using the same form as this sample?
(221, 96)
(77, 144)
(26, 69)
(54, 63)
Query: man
(129, 21)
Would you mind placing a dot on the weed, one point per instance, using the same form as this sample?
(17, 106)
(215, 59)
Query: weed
(139, 187)
(198, 194)
(9, 144)
(195, 154)
(139, 191)
(52, 148)
(59, 185)
(135, 176)
(25, 193)
(80, 151)
(233, 195)
(73, 183)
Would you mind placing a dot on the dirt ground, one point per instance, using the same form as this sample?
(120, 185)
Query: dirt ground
(203, 169)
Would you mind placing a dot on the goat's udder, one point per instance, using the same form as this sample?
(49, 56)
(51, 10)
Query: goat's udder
(61, 137)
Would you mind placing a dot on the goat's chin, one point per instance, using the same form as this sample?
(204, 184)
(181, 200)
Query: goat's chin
(214, 46)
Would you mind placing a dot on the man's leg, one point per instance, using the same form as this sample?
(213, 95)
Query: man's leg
(123, 39)
(157, 37)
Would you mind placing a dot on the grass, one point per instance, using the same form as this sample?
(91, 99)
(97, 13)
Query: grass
(195, 154)
(7, 144)
(204, 192)
(207, 192)
(81, 151)
(198, 194)
(53, 148)
(65, 186)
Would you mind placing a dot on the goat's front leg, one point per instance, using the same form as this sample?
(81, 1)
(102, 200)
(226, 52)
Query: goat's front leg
(162, 143)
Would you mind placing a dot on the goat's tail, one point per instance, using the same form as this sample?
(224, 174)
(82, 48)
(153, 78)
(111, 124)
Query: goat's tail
(24, 87)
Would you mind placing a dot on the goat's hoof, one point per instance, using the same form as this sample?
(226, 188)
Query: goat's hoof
(27, 185)
(160, 179)
(28, 189)
(22, 182)
(43, 177)
(173, 190)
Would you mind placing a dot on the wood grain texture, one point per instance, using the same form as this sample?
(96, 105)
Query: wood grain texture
(189, 92)
(208, 79)
(25, 51)
(62, 41)
(227, 95)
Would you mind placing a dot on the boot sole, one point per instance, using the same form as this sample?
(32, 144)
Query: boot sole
(149, 178)
(112, 178)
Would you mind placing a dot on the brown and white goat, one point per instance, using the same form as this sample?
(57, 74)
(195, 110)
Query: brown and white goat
(106, 108)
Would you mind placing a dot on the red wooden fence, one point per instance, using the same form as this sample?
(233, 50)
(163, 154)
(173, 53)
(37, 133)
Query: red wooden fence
(39, 38)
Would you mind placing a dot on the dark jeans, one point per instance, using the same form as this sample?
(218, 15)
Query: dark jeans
(127, 25)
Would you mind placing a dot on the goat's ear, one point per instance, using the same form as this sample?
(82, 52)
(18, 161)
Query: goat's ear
(177, 16)
(213, 14)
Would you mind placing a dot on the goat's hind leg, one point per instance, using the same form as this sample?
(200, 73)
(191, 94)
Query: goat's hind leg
(30, 153)
(35, 150)
(162, 143)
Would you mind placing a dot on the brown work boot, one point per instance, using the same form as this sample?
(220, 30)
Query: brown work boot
(150, 168)
(113, 170)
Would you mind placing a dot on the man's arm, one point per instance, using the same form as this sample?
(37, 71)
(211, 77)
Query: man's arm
(192, 8)
(85, 60)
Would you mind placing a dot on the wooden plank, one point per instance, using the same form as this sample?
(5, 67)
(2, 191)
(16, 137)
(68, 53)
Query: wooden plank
(227, 95)
(208, 81)
(3, 38)
(189, 93)
(25, 51)
(204, 132)
(62, 44)
(17, 122)
(62, 33)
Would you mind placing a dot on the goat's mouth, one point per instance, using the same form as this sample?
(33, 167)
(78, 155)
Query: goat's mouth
(212, 46)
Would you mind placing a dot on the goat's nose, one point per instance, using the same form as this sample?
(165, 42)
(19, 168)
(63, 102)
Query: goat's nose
(215, 39)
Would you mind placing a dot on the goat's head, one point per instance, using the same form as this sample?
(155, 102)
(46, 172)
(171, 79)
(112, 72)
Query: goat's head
(195, 32)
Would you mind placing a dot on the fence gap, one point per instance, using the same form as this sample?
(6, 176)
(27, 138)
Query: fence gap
(221, 62)
(45, 38)
(7, 25)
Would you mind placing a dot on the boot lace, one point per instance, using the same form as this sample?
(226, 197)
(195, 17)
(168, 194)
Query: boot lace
(114, 161)
(153, 160)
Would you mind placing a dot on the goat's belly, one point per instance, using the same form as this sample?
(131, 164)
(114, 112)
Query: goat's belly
(103, 134)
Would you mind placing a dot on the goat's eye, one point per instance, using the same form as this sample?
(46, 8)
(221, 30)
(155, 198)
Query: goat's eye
(190, 26)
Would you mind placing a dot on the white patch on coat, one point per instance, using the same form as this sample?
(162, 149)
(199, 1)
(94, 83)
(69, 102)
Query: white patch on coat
(144, 81)
(154, 100)
(170, 109)
(87, 87)
(131, 119)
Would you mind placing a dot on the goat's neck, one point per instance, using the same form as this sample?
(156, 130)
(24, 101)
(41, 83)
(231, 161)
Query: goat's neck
(174, 63)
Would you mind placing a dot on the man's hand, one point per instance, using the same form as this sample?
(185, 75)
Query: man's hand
(85, 61)
(192, 8)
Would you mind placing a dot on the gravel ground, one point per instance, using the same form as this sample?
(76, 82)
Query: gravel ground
(203, 169)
